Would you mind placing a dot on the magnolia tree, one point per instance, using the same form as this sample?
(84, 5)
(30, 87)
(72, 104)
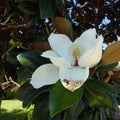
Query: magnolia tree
(62, 57)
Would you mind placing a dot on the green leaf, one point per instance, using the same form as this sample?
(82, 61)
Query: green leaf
(11, 58)
(74, 111)
(41, 111)
(23, 74)
(28, 94)
(80, 107)
(107, 67)
(27, 7)
(60, 5)
(99, 114)
(95, 115)
(98, 99)
(33, 94)
(23, 90)
(47, 9)
(26, 0)
(61, 98)
(101, 87)
(31, 59)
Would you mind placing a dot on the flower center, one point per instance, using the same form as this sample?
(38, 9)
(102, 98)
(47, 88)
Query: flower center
(76, 55)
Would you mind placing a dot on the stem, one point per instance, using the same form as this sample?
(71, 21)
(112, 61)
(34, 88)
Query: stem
(13, 26)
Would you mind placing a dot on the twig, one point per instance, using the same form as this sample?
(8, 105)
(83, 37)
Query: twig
(14, 82)
(9, 80)
(13, 26)
(8, 18)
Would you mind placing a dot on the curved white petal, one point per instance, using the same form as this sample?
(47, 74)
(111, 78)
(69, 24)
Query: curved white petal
(45, 75)
(100, 38)
(92, 56)
(73, 78)
(60, 43)
(88, 38)
(55, 59)
(118, 66)
(60, 62)
(49, 54)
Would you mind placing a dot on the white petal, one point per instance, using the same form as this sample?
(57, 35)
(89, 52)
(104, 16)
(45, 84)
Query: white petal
(49, 54)
(60, 43)
(56, 60)
(118, 66)
(45, 75)
(118, 38)
(92, 56)
(100, 38)
(87, 39)
(60, 62)
(73, 78)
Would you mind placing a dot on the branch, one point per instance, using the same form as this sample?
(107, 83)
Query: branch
(13, 26)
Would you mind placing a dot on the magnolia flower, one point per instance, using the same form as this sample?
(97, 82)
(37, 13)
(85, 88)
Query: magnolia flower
(71, 61)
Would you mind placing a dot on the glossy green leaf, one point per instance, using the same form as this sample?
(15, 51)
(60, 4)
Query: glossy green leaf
(23, 74)
(60, 5)
(80, 107)
(47, 8)
(31, 59)
(74, 111)
(32, 95)
(106, 67)
(27, 7)
(28, 94)
(110, 114)
(23, 90)
(101, 87)
(41, 111)
(61, 98)
(11, 58)
(98, 99)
